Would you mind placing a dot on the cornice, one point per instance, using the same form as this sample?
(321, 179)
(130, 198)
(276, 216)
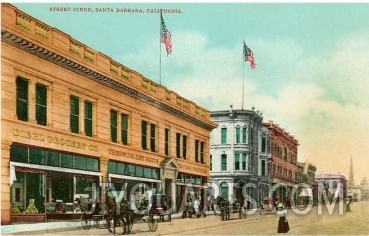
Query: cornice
(48, 55)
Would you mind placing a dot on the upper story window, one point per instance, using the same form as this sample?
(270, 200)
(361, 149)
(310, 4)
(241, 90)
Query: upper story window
(223, 162)
(211, 162)
(145, 129)
(238, 134)
(197, 142)
(236, 161)
(124, 128)
(202, 144)
(223, 135)
(244, 134)
(74, 114)
(263, 167)
(41, 104)
(113, 125)
(184, 146)
(244, 161)
(181, 151)
(22, 99)
(88, 118)
(263, 144)
(166, 141)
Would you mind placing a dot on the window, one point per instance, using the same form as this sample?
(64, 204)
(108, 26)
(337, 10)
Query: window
(124, 129)
(223, 135)
(236, 161)
(244, 161)
(202, 152)
(197, 150)
(263, 167)
(178, 145)
(88, 118)
(152, 137)
(144, 135)
(224, 162)
(22, 99)
(244, 135)
(224, 190)
(74, 114)
(238, 134)
(184, 148)
(263, 144)
(113, 125)
(166, 147)
(41, 104)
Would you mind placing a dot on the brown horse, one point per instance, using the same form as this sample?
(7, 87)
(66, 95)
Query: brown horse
(123, 215)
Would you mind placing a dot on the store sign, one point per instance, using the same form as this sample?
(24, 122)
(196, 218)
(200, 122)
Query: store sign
(54, 140)
(133, 157)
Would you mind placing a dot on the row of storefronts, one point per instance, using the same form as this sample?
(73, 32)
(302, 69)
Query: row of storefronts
(65, 142)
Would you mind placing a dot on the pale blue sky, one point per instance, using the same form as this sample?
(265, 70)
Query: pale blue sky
(312, 63)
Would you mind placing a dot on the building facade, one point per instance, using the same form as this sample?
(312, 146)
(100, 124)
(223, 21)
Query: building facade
(235, 166)
(75, 122)
(308, 191)
(332, 185)
(282, 165)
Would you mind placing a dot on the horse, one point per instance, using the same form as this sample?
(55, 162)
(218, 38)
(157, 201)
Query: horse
(224, 207)
(123, 215)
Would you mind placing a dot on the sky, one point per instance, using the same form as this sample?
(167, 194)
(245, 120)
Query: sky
(312, 61)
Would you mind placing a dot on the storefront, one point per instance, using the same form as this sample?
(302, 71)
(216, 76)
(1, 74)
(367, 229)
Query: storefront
(47, 184)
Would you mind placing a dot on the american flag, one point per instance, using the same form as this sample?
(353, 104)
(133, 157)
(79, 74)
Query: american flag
(248, 55)
(165, 36)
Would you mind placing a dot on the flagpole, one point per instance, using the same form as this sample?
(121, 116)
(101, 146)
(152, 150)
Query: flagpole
(243, 79)
(160, 48)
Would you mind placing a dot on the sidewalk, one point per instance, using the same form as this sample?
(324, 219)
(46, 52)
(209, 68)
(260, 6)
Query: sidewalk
(59, 226)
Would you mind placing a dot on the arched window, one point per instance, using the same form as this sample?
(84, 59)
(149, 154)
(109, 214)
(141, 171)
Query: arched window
(224, 190)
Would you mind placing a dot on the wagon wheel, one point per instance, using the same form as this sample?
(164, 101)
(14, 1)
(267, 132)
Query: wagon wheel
(86, 223)
(153, 223)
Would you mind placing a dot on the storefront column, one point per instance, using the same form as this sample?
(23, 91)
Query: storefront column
(5, 186)
(104, 171)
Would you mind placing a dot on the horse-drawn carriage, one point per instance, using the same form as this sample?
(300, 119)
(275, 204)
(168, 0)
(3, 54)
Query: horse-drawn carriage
(268, 205)
(194, 208)
(226, 208)
(124, 216)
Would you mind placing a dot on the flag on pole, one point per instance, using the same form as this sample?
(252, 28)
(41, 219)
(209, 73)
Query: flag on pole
(165, 36)
(248, 55)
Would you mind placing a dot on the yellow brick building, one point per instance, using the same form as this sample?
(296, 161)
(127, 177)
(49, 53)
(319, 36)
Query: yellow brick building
(74, 121)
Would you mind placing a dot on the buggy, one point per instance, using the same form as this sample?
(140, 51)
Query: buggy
(226, 208)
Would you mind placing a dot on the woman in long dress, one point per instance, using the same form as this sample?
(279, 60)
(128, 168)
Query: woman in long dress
(283, 226)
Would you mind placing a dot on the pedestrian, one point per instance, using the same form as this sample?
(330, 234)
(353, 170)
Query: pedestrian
(348, 202)
(283, 226)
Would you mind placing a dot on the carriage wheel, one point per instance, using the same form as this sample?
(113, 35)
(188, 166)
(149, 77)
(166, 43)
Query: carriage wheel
(86, 223)
(153, 224)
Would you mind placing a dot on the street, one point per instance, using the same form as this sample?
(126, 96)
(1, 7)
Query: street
(355, 222)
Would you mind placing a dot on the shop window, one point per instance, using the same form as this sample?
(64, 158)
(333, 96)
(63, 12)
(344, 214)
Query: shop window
(92, 164)
(80, 162)
(19, 154)
(74, 114)
(53, 159)
(66, 160)
(37, 156)
(112, 167)
(124, 131)
(139, 171)
(88, 118)
(155, 174)
(22, 98)
(147, 173)
(121, 168)
(41, 104)
(113, 125)
(131, 170)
